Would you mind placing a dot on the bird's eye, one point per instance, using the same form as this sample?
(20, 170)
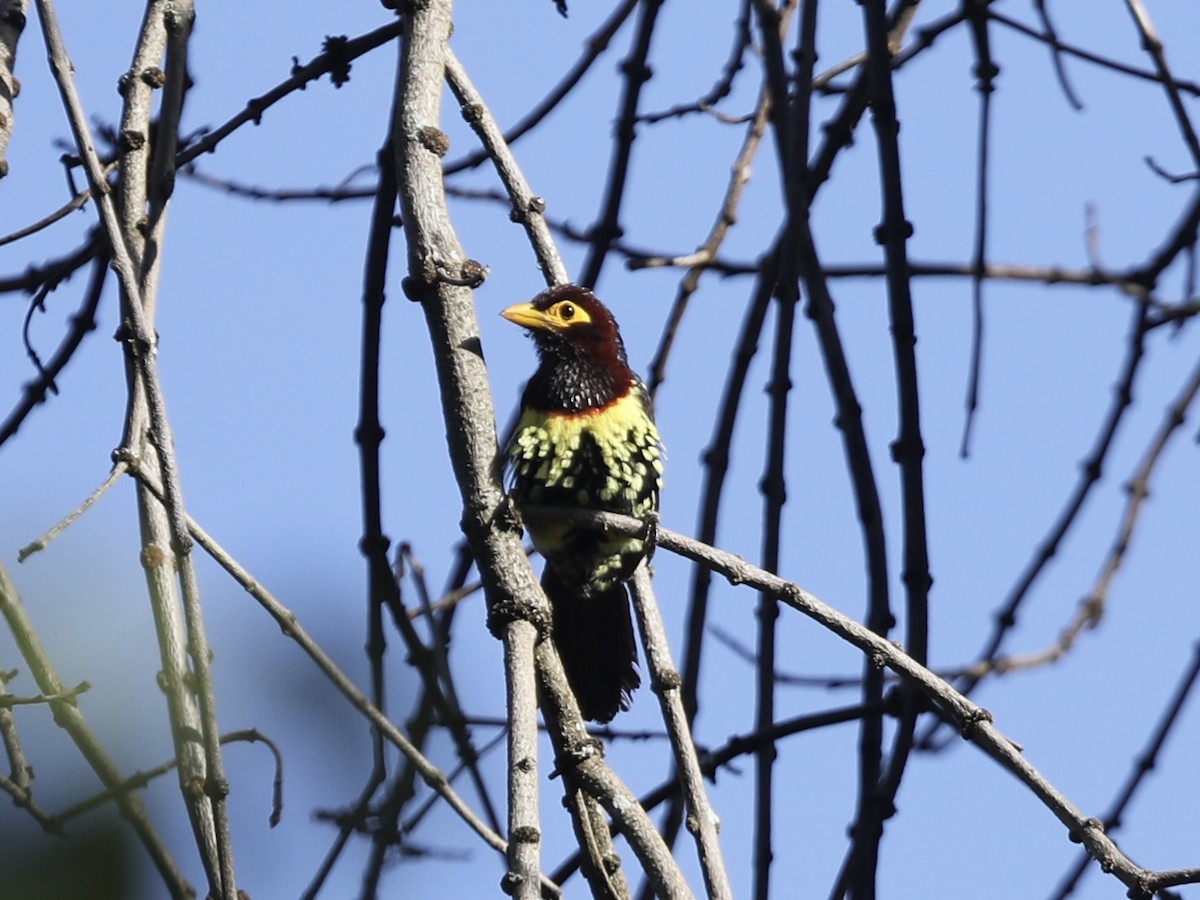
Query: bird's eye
(566, 310)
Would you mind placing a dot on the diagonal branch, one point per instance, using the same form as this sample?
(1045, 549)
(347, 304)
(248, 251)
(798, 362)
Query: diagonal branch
(973, 722)
(1143, 765)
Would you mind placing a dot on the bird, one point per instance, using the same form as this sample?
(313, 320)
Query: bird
(585, 438)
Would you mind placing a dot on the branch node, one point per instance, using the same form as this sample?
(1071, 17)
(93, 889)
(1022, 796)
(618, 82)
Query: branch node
(216, 788)
(154, 76)
(512, 881)
(502, 613)
(507, 517)
(636, 71)
(575, 754)
(471, 273)
(1091, 823)
(335, 48)
(472, 113)
(650, 534)
(669, 680)
(132, 140)
(973, 720)
(418, 290)
(434, 140)
(526, 834)
(14, 18)
(880, 232)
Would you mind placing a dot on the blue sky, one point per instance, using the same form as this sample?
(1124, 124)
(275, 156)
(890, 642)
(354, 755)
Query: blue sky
(259, 326)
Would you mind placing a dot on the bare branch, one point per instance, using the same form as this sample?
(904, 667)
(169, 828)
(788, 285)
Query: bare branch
(436, 261)
(527, 209)
(636, 70)
(594, 47)
(973, 722)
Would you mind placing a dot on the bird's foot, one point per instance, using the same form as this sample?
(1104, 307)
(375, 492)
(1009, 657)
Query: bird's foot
(650, 533)
(508, 516)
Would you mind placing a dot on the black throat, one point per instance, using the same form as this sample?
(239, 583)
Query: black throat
(574, 382)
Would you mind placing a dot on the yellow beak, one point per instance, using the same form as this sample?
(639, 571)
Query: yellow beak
(528, 316)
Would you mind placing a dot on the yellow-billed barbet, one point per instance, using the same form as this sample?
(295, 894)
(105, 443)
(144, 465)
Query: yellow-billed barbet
(585, 439)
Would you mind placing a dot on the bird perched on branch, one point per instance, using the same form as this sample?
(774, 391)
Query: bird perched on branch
(585, 439)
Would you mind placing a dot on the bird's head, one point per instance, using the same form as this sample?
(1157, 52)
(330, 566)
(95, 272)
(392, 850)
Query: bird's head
(568, 324)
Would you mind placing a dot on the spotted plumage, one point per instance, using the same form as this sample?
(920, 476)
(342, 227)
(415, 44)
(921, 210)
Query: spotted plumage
(585, 439)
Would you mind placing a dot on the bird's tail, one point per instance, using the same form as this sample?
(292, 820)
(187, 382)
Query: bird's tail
(593, 634)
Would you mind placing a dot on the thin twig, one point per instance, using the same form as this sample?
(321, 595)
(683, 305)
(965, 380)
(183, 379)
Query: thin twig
(410, 824)
(339, 193)
(81, 323)
(1153, 45)
(382, 590)
(77, 202)
(67, 521)
(319, 65)
(594, 47)
(1056, 54)
(1139, 489)
(1143, 765)
(1187, 87)
(1090, 473)
(698, 261)
(790, 127)
(527, 209)
(141, 779)
(55, 272)
(723, 86)
(68, 716)
(636, 71)
(985, 82)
